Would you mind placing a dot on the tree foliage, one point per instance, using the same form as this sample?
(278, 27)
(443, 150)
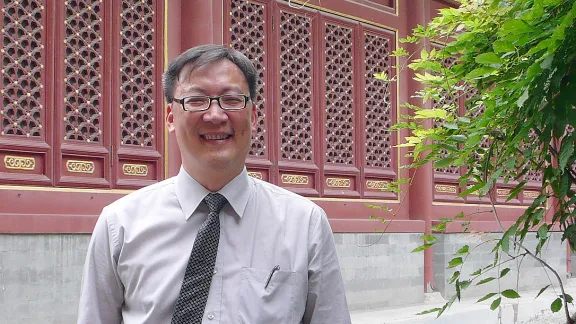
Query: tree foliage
(515, 62)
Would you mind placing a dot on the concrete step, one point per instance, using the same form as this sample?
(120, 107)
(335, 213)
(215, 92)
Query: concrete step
(524, 310)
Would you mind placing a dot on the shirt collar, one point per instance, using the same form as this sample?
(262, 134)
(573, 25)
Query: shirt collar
(190, 193)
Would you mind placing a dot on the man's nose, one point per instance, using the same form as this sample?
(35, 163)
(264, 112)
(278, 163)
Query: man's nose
(215, 114)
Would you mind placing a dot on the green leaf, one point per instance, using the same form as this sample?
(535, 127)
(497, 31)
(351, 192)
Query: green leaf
(510, 293)
(455, 262)
(504, 272)
(515, 27)
(488, 296)
(455, 276)
(543, 231)
(430, 113)
(428, 311)
(422, 247)
(503, 46)
(463, 250)
(490, 59)
(450, 125)
(458, 138)
(429, 238)
(496, 303)
(480, 72)
(486, 280)
(556, 305)
(505, 242)
(568, 298)
(523, 98)
(442, 163)
(472, 189)
(541, 291)
(566, 152)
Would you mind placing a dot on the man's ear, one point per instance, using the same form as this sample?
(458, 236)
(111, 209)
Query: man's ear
(170, 119)
(254, 118)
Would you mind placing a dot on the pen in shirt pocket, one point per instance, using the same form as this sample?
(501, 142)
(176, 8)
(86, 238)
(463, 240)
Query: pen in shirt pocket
(276, 268)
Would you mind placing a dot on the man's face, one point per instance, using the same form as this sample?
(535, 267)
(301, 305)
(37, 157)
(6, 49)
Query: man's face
(212, 139)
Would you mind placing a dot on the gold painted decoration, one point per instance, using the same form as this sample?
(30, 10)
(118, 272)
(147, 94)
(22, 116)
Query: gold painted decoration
(256, 175)
(502, 192)
(338, 183)
(140, 170)
(531, 194)
(446, 189)
(294, 179)
(19, 163)
(80, 166)
(376, 184)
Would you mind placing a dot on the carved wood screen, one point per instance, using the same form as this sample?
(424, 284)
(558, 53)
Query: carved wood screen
(93, 117)
(323, 118)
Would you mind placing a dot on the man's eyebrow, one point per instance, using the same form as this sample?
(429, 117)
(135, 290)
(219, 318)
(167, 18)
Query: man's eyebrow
(198, 89)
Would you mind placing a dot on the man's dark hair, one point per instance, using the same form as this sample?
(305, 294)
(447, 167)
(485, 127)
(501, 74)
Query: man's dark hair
(205, 54)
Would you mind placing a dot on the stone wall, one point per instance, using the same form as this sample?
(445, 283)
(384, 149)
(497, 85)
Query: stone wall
(40, 278)
(532, 275)
(379, 270)
(40, 274)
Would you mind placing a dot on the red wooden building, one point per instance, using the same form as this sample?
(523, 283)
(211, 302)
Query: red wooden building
(81, 120)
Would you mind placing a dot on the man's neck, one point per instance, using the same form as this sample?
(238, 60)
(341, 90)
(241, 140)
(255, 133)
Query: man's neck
(213, 180)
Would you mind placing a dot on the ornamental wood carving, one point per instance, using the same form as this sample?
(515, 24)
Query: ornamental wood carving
(80, 166)
(339, 67)
(296, 85)
(378, 102)
(248, 36)
(137, 57)
(83, 75)
(19, 163)
(22, 69)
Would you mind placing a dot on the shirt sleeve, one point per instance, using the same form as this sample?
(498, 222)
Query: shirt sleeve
(102, 292)
(326, 301)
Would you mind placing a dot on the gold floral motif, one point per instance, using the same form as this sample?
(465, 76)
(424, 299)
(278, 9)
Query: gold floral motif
(502, 192)
(257, 175)
(445, 188)
(531, 194)
(294, 179)
(80, 166)
(377, 185)
(338, 183)
(140, 170)
(19, 163)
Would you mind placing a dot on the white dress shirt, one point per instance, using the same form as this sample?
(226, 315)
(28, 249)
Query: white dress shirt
(141, 245)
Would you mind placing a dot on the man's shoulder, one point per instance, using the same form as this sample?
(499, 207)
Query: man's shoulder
(281, 194)
(160, 189)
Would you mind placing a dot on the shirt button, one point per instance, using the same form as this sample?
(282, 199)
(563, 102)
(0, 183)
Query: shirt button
(210, 316)
(215, 271)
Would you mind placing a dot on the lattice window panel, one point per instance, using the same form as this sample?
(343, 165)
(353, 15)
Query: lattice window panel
(532, 175)
(22, 68)
(248, 36)
(296, 83)
(137, 57)
(446, 99)
(83, 64)
(378, 102)
(339, 94)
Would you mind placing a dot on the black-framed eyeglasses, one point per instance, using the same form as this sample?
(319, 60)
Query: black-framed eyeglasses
(202, 103)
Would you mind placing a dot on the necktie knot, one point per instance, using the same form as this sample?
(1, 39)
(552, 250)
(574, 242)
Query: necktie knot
(215, 202)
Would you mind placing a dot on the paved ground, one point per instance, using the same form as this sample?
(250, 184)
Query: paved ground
(525, 310)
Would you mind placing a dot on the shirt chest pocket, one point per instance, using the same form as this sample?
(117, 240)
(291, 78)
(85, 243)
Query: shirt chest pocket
(261, 304)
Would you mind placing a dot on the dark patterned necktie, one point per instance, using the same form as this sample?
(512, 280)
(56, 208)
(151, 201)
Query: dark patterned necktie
(191, 303)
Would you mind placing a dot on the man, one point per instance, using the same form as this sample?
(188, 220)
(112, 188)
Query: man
(212, 245)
